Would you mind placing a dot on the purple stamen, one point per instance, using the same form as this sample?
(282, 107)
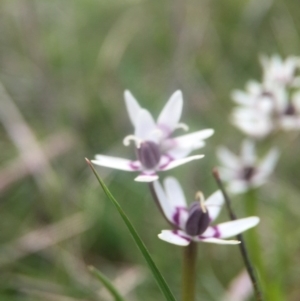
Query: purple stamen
(290, 110)
(248, 173)
(198, 220)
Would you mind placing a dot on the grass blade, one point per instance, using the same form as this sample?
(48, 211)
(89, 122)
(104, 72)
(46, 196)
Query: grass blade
(106, 282)
(156, 273)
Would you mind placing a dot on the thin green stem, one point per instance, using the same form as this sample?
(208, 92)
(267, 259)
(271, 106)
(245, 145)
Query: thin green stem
(189, 266)
(242, 245)
(251, 209)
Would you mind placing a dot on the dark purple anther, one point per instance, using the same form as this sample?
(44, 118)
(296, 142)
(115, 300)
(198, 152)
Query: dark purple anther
(290, 110)
(197, 221)
(248, 173)
(149, 154)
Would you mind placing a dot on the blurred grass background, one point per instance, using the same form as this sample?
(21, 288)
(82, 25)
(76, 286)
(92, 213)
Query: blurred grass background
(63, 68)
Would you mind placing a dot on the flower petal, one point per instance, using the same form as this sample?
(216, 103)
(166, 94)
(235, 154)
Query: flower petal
(238, 226)
(267, 165)
(174, 163)
(218, 241)
(214, 204)
(146, 178)
(238, 186)
(117, 163)
(132, 106)
(174, 192)
(192, 140)
(228, 174)
(167, 208)
(171, 113)
(179, 238)
(228, 159)
(248, 152)
(145, 127)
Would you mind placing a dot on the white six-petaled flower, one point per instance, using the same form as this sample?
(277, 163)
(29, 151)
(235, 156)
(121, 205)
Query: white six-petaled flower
(273, 104)
(245, 171)
(156, 149)
(192, 223)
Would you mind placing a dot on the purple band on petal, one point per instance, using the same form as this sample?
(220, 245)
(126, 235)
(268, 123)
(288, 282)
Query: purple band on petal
(169, 160)
(176, 215)
(133, 165)
(217, 233)
(180, 235)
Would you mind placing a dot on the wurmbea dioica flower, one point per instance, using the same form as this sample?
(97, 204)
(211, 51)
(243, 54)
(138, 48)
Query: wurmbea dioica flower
(277, 71)
(273, 104)
(245, 171)
(156, 149)
(192, 223)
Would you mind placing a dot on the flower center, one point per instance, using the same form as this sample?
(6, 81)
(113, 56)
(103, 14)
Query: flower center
(290, 110)
(248, 173)
(149, 154)
(198, 219)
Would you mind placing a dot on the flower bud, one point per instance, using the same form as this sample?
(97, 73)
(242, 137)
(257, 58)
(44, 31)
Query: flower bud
(149, 154)
(197, 221)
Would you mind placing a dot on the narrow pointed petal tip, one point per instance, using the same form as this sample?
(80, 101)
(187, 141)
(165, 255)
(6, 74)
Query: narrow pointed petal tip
(179, 162)
(116, 163)
(173, 238)
(132, 106)
(146, 178)
(170, 115)
(232, 228)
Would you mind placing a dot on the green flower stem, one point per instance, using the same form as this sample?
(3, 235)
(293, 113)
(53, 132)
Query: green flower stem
(242, 245)
(189, 266)
(251, 208)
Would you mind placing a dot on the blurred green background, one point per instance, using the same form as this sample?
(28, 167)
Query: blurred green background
(63, 68)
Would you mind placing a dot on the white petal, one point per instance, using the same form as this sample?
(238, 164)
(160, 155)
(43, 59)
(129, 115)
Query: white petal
(117, 163)
(146, 178)
(258, 128)
(173, 238)
(132, 106)
(218, 241)
(171, 113)
(214, 204)
(238, 186)
(238, 226)
(228, 159)
(267, 165)
(227, 174)
(164, 202)
(178, 162)
(178, 153)
(174, 192)
(145, 127)
(242, 98)
(248, 152)
(193, 138)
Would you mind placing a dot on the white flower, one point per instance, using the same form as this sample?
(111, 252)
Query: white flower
(280, 72)
(265, 111)
(246, 171)
(155, 148)
(273, 104)
(193, 223)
